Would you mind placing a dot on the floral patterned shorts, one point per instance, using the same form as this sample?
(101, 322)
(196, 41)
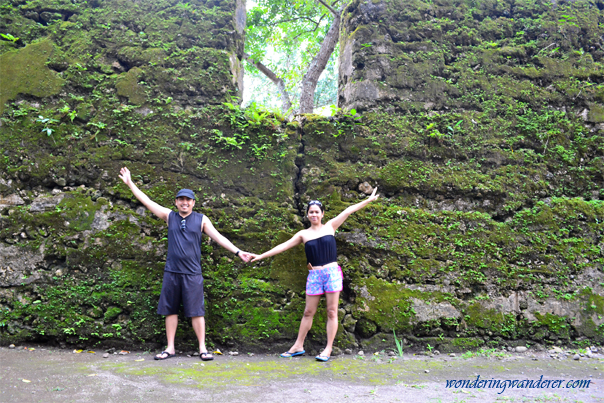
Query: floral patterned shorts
(325, 280)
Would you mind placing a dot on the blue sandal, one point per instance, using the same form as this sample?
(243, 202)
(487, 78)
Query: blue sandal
(322, 358)
(287, 354)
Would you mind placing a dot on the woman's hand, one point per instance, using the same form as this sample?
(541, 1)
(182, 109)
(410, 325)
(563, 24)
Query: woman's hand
(256, 258)
(374, 196)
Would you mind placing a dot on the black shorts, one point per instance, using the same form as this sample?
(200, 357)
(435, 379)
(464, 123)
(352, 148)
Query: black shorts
(182, 288)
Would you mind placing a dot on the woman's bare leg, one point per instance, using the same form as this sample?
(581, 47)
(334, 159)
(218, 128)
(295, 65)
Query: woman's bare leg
(333, 300)
(312, 302)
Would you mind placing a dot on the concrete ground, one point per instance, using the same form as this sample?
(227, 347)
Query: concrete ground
(53, 375)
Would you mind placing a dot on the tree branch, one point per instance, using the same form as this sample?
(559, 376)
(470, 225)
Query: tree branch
(317, 26)
(316, 23)
(316, 67)
(286, 104)
(334, 12)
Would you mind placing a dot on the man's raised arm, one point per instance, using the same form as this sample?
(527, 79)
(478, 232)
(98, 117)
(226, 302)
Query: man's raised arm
(159, 211)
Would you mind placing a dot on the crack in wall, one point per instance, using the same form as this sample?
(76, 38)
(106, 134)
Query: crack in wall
(299, 161)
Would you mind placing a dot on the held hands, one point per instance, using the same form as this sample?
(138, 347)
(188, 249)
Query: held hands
(125, 176)
(246, 256)
(257, 258)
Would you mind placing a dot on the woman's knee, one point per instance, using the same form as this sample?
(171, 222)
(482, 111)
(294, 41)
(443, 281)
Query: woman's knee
(309, 312)
(332, 313)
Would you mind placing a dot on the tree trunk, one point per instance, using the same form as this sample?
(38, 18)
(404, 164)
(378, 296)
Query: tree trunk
(309, 82)
(286, 104)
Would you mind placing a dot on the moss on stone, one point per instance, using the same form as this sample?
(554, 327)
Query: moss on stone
(127, 86)
(24, 72)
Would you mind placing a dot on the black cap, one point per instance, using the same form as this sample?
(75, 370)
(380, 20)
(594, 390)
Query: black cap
(185, 193)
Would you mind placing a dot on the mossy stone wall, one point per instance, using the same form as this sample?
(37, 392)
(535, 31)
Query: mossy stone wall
(488, 230)
(147, 52)
(448, 55)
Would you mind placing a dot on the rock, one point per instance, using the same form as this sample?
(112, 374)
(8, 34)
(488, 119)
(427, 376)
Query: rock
(348, 351)
(555, 350)
(521, 349)
(233, 353)
(12, 346)
(391, 353)
(117, 66)
(538, 347)
(32, 15)
(10, 201)
(106, 355)
(336, 351)
(436, 352)
(427, 371)
(452, 355)
(361, 353)
(576, 357)
(429, 311)
(349, 323)
(593, 349)
(366, 188)
(45, 203)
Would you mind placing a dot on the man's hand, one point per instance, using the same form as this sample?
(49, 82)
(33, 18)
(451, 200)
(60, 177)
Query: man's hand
(125, 176)
(256, 258)
(246, 256)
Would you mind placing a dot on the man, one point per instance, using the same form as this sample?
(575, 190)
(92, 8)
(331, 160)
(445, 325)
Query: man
(183, 281)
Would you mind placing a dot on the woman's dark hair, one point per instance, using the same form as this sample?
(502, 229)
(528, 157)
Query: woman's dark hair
(315, 203)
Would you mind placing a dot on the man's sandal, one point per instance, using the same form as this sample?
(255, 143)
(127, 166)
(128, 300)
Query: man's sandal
(168, 355)
(205, 356)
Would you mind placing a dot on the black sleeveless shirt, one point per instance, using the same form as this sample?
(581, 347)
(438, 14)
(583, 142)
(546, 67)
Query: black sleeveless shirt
(184, 245)
(322, 250)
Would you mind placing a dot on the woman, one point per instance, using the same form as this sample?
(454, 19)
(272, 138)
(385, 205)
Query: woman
(325, 276)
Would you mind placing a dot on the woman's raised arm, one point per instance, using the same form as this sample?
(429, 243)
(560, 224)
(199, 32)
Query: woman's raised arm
(339, 220)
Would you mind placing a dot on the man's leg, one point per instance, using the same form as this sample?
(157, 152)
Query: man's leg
(169, 302)
(199, 325)
(194, 305)
(171, 325)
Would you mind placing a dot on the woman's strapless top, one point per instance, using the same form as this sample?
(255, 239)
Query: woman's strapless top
(322, 250)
